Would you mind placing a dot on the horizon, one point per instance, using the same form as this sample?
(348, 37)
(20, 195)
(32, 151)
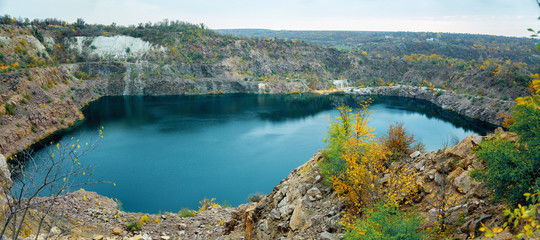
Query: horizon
(508, 18)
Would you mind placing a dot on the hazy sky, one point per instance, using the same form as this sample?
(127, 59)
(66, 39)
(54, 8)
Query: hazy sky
(497, 17)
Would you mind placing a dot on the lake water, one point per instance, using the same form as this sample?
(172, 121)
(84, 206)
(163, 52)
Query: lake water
(166, 153)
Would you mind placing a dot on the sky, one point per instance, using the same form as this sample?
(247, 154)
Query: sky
(494, 17)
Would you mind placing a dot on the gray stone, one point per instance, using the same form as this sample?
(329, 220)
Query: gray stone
(55, 231)
(299, 219)
(415, 154)
(420, 164)
(463, 182)
(438, 179)
(283, 202)
(476, 139)
(431, 174)
(314, 194)
(182, 226)
(328, 236)
(275, 214)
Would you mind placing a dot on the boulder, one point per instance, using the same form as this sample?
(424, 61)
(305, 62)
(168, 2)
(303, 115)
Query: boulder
(454, 174)
(439, 179)
(415, 154)
(314, 194)
(55, 231)
(476, 139)
(118, 231)
(463, 182)
(299, 219)
(328, 236)
(419, 166)
(463, 148)
(275, 214)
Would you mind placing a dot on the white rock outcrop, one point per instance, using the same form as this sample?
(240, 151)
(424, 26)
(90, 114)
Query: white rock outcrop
(118, 47)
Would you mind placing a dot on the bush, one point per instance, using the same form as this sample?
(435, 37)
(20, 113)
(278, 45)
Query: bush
(387, 221)
(10, 109)
(255, 197)
(133, 226)
(185, 212)
(399, 142)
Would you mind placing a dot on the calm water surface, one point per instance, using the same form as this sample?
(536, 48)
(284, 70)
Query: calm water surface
(166, 153)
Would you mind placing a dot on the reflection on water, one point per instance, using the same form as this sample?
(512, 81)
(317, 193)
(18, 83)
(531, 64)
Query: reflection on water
(165, 153)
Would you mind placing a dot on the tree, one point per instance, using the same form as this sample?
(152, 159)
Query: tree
(338, 132)
(24, 211)
(364, 176)
(399, 142)
(512, 166)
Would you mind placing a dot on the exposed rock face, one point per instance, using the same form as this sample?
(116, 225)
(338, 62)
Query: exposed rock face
(484, 108)
(113, 47)
(301, 206)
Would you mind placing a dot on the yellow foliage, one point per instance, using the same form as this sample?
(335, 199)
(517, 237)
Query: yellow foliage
(534, 100)
(206, 204)
(524, 216)
(366, 161)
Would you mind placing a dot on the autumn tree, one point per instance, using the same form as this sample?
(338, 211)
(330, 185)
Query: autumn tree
(399, 142)
(364, 176)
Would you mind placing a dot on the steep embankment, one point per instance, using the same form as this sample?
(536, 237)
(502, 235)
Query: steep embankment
(303, 207)
(491, 110)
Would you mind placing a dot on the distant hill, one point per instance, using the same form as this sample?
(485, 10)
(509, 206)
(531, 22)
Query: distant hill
(456, 45)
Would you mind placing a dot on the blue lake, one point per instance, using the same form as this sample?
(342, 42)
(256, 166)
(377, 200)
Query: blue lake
(167, 153)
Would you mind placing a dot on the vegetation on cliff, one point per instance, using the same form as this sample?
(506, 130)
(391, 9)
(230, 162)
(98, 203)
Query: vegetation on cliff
(476, 65)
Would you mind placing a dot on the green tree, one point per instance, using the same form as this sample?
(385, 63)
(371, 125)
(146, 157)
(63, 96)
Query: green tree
(338, 131)
(512, 167)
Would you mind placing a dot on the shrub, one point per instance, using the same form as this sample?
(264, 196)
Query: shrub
(398, 141)
(207, 204)
(133, 226)
(185, 212)
(523, 216)
(144, 219)
(387, 221)
(255, 197)
(10, 109)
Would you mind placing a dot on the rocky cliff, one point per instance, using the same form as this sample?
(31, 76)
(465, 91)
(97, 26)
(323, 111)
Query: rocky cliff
(486, 109)
(303, 207)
